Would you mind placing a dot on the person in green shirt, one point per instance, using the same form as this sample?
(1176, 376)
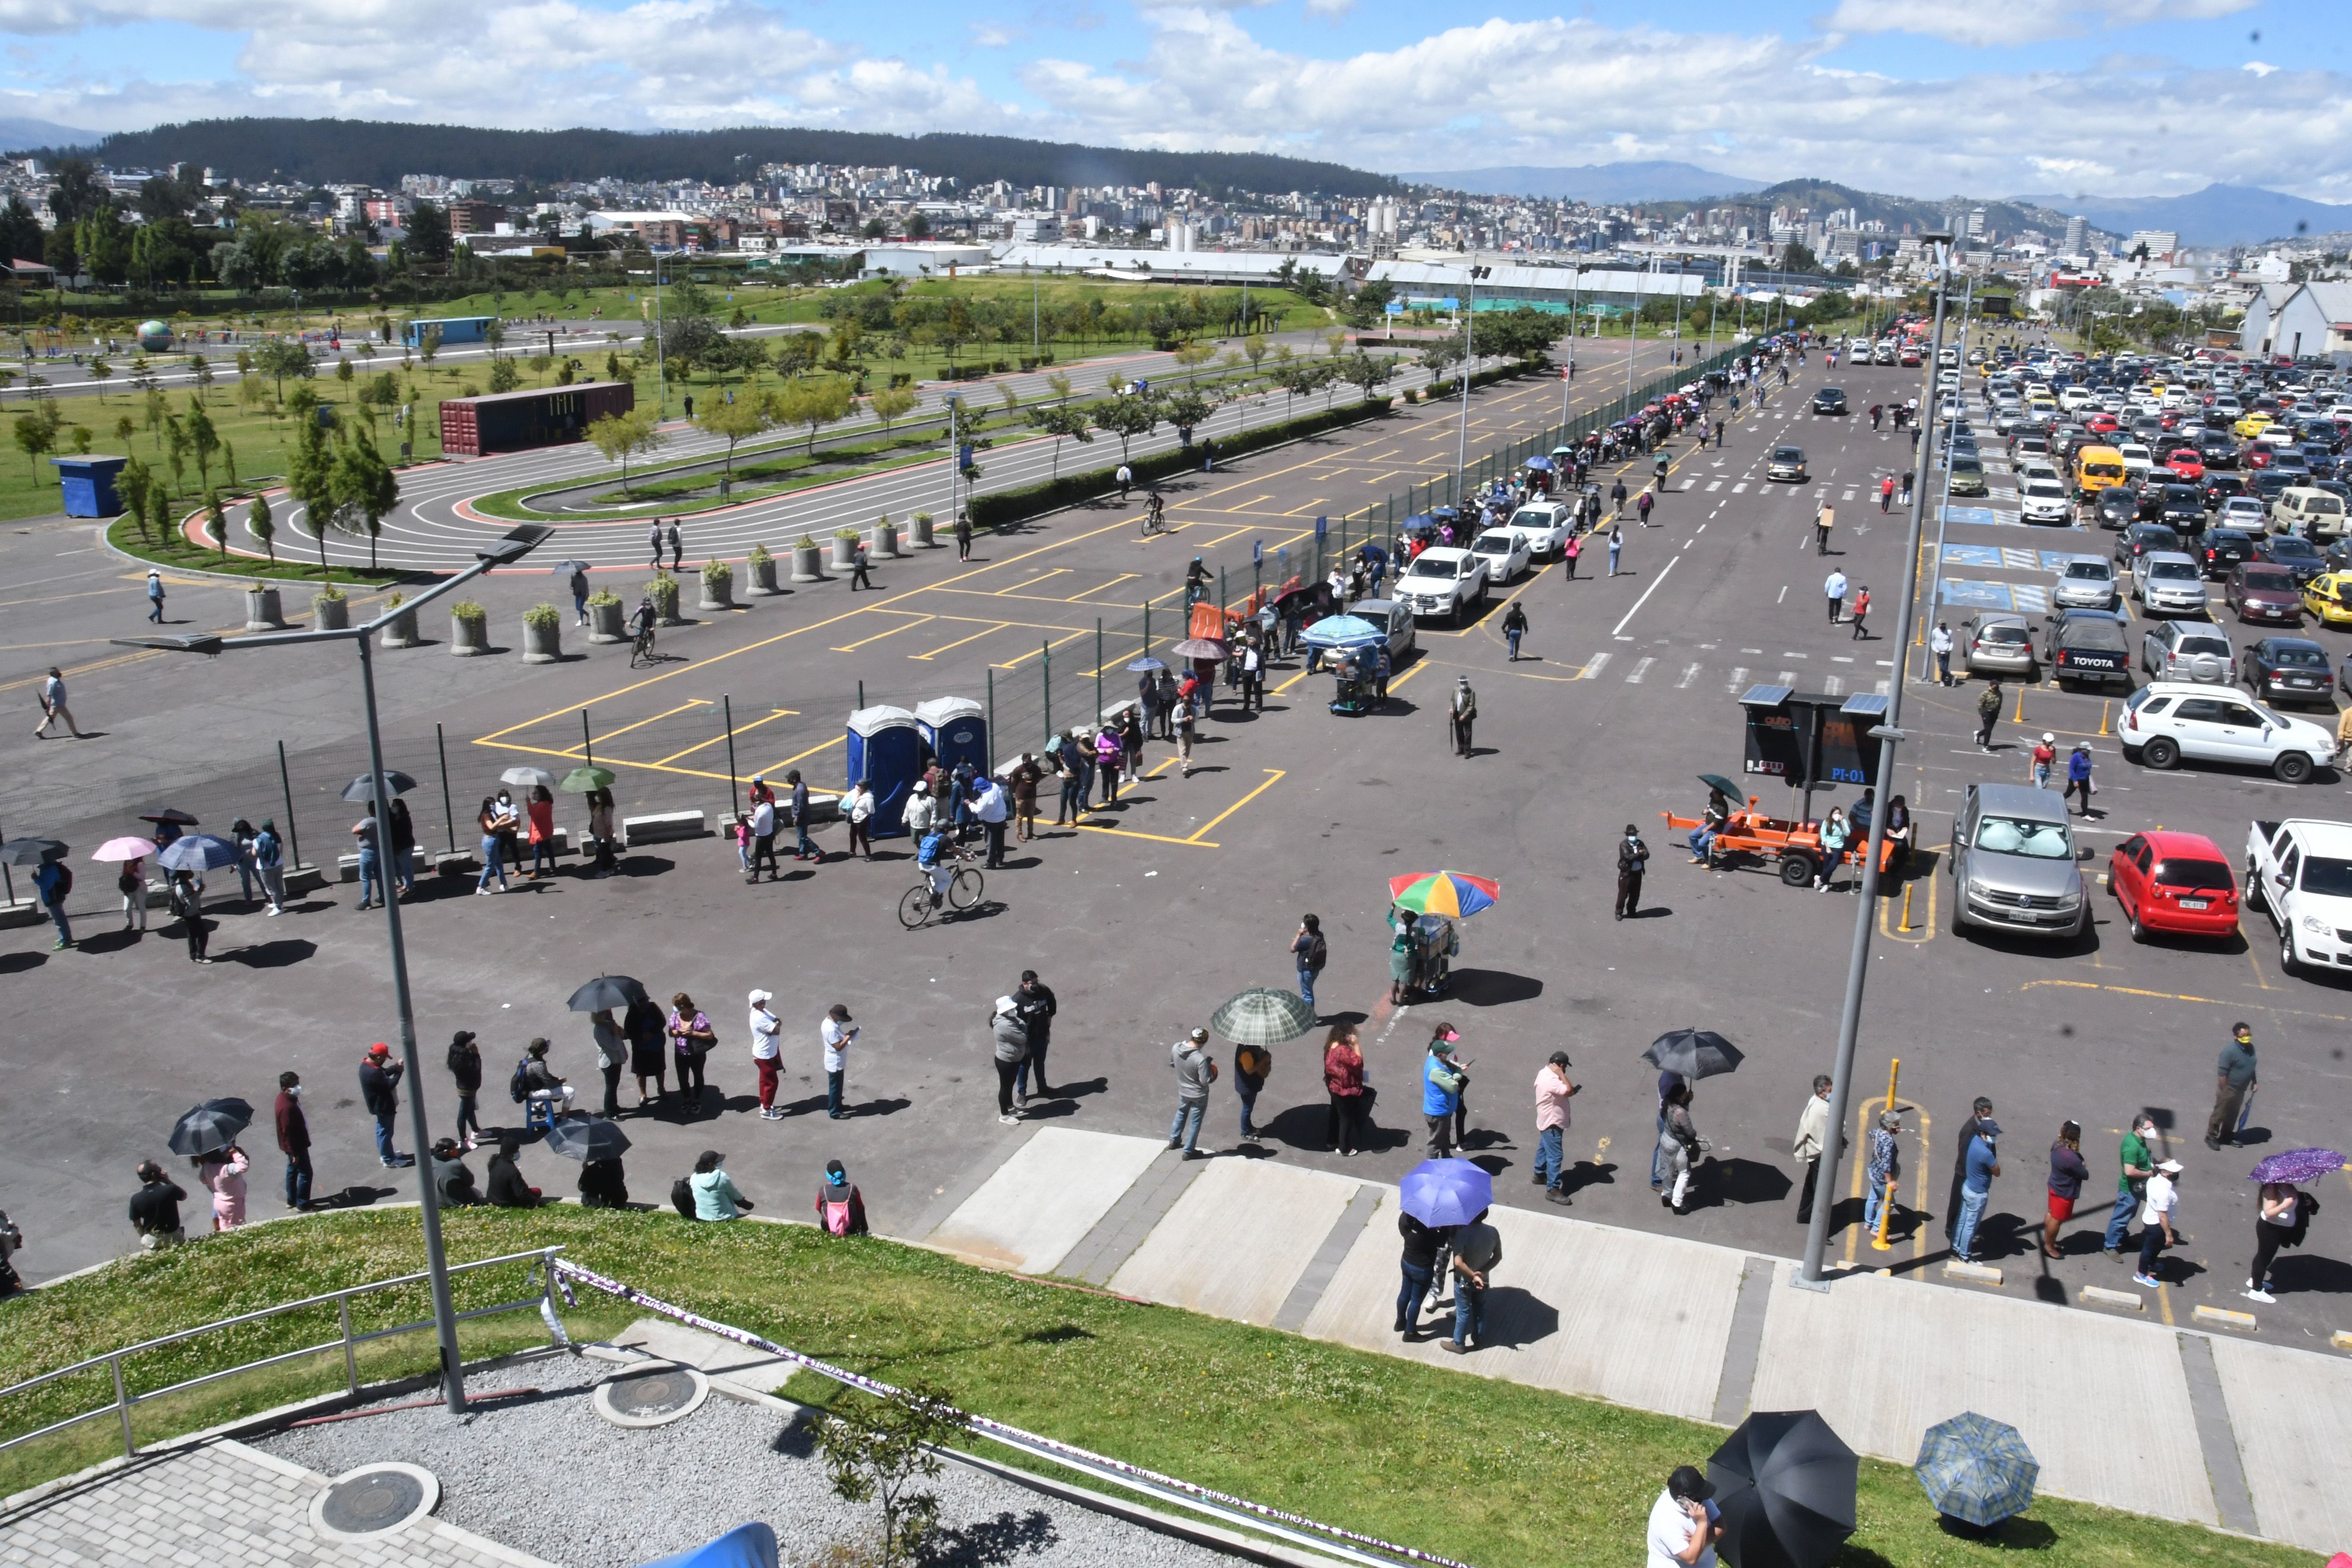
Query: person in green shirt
(2138, 1164)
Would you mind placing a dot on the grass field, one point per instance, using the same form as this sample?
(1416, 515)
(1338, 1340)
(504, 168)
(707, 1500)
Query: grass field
(1475, 1468)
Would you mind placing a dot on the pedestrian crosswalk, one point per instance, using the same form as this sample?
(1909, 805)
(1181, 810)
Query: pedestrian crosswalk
(1736, 681)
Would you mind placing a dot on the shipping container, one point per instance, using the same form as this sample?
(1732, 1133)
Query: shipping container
(515, 421)
(453, 329)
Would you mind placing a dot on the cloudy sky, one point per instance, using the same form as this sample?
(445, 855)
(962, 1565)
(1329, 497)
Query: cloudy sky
(1986, 97)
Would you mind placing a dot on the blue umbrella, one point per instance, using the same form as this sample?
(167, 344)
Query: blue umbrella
(1543, 464)
(1977, 1469)
(1447, 1192)
(1342, 631)
(197, 852)
(1146, 665)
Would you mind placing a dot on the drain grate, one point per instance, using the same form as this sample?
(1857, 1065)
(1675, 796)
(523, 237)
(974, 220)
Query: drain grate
(374, 1500)
(652, 1395)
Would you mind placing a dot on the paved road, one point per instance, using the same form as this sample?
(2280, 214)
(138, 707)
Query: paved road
(1189, 889)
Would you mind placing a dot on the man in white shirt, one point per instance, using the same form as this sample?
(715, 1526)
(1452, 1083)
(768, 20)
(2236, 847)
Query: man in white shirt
(838, 1035)
(1683, 1529)
(1833, 590)
(989, 804)
(763, 839)
(767, 1033)
(1939, 643)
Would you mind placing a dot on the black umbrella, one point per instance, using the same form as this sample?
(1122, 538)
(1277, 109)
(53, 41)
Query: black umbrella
(213, 1125)
(169, 813)
(32, 851)
(578, 1137)
(1786, 1484)
(606, 991)
(1693, 1053)
(363, 786)
(565, 568)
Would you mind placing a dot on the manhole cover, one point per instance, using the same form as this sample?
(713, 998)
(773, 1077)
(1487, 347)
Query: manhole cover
(653, 1395)
(374, 1500)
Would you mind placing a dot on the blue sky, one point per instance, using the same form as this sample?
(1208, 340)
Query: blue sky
(1977, 97)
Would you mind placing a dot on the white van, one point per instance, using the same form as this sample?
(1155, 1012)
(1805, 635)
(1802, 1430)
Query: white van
(2310, 512)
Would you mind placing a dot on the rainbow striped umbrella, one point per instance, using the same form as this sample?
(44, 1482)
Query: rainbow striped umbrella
(1454, 893)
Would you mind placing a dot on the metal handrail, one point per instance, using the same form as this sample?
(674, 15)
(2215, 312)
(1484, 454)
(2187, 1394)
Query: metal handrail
(538, 1258)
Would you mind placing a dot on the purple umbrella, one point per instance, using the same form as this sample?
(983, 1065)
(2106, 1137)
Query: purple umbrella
(1447, 1192)
(2298, 1165)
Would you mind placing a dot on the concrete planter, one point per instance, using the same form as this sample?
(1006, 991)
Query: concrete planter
(763, 578)
(605, 624)
(919, 534)
(665, 604)
(886, 541)
(845, 552)
(330, 615)
(543, 645)
(805, 568)
(718, 593)
(262, 613)
(400, 631)
(469, 635)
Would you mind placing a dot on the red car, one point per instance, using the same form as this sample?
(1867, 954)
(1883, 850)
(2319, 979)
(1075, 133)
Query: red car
(2178, 882)
(2102, 425)
(2188, 466)
(2257, 456)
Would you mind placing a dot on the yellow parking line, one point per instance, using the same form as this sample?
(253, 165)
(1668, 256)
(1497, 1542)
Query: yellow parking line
(1057, 572)
(975, 637)
(1274, 775)
(796, 756)
(1057, 642)
(722, 738)
(893, 631)
(1122, 577)
(616, 735)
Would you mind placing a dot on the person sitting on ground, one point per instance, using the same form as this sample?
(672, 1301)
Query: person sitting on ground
(507, 1189)
(715, 1197)
(601, 1185)
(840, 1207)
(453, 1181)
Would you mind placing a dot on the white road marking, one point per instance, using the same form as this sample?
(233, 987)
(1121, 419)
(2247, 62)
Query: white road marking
(1689, 675)
(1739, 679)
(1639, 670)
(1593, 667)
(1646, 593)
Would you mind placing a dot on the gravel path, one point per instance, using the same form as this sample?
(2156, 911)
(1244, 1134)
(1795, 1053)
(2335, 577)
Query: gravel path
(545, 1474)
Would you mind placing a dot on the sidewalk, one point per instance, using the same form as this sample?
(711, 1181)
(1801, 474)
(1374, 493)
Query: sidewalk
(2248, 1438)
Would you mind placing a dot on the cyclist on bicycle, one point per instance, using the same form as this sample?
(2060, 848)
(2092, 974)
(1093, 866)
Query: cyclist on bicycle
(1155, 510)
(643, 622)
(936, 857)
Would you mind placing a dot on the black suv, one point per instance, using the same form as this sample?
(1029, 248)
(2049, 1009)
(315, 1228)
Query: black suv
(2225, 549)
(2117, 506)
(2220, 488)
(2219, 448)
(2182, 508)
(2144, 539)
(1829, 400)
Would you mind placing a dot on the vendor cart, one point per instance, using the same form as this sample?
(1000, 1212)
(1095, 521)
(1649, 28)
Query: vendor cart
(1434, 944)
(1750, 840)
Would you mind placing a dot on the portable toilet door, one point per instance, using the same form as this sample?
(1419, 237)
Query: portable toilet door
(956, 731)
(885, 750)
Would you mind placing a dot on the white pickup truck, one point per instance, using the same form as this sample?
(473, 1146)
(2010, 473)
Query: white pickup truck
(2300, 872)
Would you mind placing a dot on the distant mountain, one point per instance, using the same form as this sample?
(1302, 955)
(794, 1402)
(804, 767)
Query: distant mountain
(31, 133)
(1605, 184)
(2217, 214)
(322, 151)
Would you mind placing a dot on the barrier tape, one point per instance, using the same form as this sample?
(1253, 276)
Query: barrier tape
(565, 1271)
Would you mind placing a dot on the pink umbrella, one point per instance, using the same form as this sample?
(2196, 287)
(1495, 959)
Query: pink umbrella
(125, 849)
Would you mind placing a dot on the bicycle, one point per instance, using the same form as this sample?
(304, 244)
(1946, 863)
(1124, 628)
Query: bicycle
(919, 903)
(643, 648)
(1155, 516)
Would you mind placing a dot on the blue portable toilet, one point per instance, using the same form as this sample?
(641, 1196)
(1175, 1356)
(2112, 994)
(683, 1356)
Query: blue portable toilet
(956, 731)
(752, 1545)
(88, 484)
(885, 750)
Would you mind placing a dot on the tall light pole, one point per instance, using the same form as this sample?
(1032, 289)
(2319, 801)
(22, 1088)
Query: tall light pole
(1944, 501)
(1632, 342)
(661, 369)
(1889, 732)
(1469, 340)
(516, 544)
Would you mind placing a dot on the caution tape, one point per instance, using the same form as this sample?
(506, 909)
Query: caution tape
(565, 1271)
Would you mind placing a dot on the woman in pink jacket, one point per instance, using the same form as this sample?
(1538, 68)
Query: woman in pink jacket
(223, 1172)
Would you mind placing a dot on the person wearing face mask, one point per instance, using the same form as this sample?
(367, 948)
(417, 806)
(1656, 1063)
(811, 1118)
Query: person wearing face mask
(1632, 858)
(294, 1140)
(510, 823)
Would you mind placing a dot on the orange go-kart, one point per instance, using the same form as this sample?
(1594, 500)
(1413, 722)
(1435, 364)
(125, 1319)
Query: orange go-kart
(1795, 846)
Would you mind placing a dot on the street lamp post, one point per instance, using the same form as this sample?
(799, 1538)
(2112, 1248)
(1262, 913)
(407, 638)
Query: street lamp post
(512, 548)
(1469, 342)
(1944, 501)
(1888, 733)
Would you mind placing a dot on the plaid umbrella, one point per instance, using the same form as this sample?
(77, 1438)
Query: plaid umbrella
(2297, 1165)
(1443, 893)
(197, 852)
(1262, 1016)
(1977, 1469)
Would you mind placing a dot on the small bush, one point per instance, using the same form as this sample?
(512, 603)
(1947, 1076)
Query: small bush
(714, 572)
(467, 610)
(604, 596)
(804, 542)
(846, 533)
(331, 592)
(542, 617)
(758, 552)
(394, 599)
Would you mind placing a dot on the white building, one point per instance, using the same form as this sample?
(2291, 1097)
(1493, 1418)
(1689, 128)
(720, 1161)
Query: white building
(2316, 321)
(2262, 316)
(2160, 242)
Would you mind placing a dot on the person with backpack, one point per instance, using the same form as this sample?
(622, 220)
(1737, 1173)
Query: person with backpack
(535, 1079)
(840, 1207)
(710, 1193)
(1310, 953)
(131, 883)
(604, 1184)
(54, 882)
(270, 865)
(1252, 1064)
(691, 1037)
(1642, 508)
(188, 903)
(466, 1070)
(1037, 1006)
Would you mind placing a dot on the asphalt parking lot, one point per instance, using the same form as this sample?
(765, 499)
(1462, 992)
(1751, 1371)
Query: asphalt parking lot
(1191, 889)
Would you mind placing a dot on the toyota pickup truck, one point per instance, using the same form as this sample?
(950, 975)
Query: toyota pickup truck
(2299, 872)
(2085, 646)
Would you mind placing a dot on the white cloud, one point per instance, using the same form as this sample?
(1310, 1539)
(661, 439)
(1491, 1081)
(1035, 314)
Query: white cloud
(1994, 24)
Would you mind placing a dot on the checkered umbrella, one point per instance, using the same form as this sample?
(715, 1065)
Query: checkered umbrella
(1262, 1016)
(1977, 1469)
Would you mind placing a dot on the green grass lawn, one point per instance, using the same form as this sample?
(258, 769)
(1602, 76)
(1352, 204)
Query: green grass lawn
(1475, 1468)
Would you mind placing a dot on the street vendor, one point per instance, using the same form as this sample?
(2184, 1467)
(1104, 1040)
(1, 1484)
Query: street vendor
(1710, 823)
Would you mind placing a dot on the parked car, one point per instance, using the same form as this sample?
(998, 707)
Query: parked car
(2013, 863)
(2222, 550)
(1402, 638)
(2328, 597)
(2178, 883)
(2299, 872)
(1444, 581)
(1967, 475)
(2287, 669)
(2000, 642)
(2165, 722)
(2298, 555)
(2262, 594)
(2181, 508)
(2144, 539)
(2166, 583)
(2117, 508)
(1505, 551)
(2186, 650)
(1544, 525)
(2086, 582)
(1787, 464)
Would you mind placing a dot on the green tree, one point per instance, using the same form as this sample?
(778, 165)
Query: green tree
(1059, 420)
(279, 358)
(745, 418)
(617, 437)
(98, 371)
(877, 1450)
(263, 526)
(216, 523)
(363, 488)
(892, 403)
(131, 487)
(1125, 417)
(814, 403)
(203, 437)
(1365, 371)
(310, 484)
(1187, 410)
(504, 377)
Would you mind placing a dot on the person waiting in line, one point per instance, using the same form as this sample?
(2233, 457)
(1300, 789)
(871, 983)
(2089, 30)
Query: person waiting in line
(453, 1180)
(507, 1188)
(715, 1197)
